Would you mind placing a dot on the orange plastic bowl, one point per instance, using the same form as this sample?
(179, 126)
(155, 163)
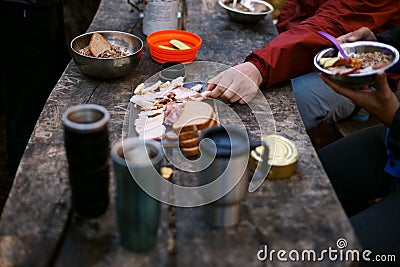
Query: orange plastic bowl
(162, 55)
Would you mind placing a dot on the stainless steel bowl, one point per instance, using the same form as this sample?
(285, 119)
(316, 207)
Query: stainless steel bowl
(247, 17)
(357, 79)
(108, 68)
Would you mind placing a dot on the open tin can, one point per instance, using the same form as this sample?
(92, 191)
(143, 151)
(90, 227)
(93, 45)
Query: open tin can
(282, 158)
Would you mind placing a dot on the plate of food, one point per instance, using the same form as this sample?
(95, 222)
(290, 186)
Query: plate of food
(366, 59)
(173, 112)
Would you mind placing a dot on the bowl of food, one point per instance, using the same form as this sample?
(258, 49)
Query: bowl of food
(366, 59)
(173, 46)
(249, 11)
(106, 54)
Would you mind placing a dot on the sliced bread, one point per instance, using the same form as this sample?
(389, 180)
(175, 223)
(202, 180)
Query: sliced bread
(190, 151)
(189, 142)
(98, 44)
(195, 116)
(188, 135)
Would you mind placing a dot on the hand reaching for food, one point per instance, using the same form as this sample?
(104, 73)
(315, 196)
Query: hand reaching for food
(381, 103)
(239, 83)
(362, 34)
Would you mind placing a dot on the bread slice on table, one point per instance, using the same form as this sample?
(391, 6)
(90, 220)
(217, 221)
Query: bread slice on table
(196, 116)
(191, 151)
(188, 135)
(189, 142)
(98, 44)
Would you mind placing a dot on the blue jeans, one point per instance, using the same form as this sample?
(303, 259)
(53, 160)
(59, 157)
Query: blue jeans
(318, 103)
(356, 171)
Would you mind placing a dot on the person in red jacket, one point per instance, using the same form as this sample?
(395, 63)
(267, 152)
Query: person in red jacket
(291, 53)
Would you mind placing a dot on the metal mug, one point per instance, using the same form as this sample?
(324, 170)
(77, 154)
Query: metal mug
(137, 161)
(231, 147)
(87, 148)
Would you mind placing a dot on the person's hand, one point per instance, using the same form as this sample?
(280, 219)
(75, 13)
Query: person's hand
(239, 83)
(362, 34)
(382, 103)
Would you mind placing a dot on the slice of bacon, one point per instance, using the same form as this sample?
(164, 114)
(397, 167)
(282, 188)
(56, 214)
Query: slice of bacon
(161, 104)
(172, 112)
(345, 66)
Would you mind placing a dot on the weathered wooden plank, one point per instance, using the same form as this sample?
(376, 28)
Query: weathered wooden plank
(299, 213)
(37, 210)
(100, 245)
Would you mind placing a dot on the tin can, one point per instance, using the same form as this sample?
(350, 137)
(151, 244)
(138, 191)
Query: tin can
(160, 15)
(283, 156)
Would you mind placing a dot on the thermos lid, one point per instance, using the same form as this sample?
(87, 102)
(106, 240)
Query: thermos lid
(225, 141)
(282, 158)
(85, 118)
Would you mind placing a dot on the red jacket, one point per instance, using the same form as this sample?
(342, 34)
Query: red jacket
(291, 53)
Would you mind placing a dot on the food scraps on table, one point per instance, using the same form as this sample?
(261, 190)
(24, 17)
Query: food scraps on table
(166, 172)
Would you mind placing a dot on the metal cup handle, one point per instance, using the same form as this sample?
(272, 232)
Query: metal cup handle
(262, 169)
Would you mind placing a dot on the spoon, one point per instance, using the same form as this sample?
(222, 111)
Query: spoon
(333, 40)
(234, 4)
(248, 4)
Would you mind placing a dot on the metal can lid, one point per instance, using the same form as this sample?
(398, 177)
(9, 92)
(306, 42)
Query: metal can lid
(282, 151)
(282, 156)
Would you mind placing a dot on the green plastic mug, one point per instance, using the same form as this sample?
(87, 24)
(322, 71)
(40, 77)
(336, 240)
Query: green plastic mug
(137, 161)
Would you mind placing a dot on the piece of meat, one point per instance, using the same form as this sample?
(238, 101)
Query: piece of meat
(177, 82)
(342, 70)
(149, 123)
(151, 88)
(197, 87)
(155, 133)
(150, 127)
(146, 100)
(182, 94)
(172, 112)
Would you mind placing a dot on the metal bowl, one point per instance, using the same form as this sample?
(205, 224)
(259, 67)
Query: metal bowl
(357, 79)
(108, 68)
(247, 17)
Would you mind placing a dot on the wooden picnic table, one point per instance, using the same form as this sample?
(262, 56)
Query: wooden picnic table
(39, 228)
